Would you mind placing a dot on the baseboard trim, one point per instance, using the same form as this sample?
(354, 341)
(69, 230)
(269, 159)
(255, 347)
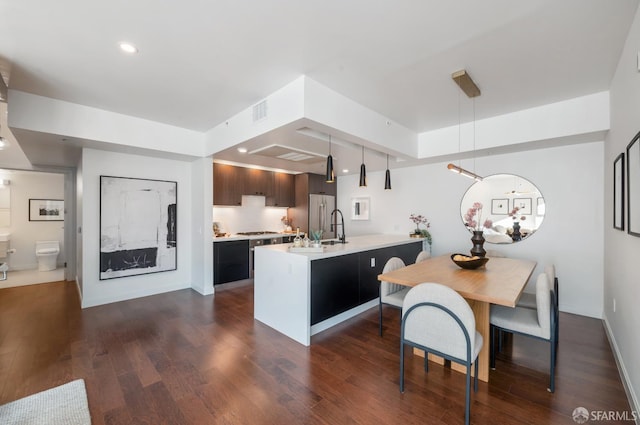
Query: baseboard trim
(626, 382)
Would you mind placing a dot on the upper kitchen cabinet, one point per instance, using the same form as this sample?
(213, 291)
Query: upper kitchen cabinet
(318, 185)
(283, 191)
(228, 184)
(258, 182)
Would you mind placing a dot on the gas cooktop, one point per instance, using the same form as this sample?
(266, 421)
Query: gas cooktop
(262, 232)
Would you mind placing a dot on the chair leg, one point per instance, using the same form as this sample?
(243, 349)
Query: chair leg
(475, 383)
(492, 348)
(402, 366)
(426, 361)
(380, 316)
(467, 403)
(552, 368)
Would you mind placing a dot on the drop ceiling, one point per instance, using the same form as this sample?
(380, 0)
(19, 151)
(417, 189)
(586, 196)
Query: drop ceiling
(200, 63)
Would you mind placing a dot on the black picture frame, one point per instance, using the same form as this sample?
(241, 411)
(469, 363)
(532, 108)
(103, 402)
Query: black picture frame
(633, 181)
(46, 210)
(500, 206)
(618, 192)
(138, 226)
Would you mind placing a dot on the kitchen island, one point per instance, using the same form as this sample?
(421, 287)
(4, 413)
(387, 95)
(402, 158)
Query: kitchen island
(303, 293)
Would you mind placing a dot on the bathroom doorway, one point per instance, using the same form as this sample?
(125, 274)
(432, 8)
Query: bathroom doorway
(37, 211)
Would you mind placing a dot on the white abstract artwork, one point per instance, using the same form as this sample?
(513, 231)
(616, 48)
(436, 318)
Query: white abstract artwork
(138, 226)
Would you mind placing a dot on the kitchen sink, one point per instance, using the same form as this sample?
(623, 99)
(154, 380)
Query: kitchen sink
(333, 242)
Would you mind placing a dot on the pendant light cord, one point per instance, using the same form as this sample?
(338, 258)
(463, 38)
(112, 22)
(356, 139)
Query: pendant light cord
(459, 131)
(474, 135)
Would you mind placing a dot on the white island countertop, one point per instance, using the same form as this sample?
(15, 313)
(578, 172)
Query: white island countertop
(282, 282)
(354, 244)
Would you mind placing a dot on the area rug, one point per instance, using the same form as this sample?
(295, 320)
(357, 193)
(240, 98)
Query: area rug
(63, 405)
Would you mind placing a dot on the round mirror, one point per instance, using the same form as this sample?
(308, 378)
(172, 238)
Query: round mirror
(507, 208)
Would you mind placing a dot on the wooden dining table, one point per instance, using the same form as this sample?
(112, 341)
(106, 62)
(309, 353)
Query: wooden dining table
(500, 281)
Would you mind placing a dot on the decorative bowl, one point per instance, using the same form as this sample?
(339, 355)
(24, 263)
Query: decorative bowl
(469, 263)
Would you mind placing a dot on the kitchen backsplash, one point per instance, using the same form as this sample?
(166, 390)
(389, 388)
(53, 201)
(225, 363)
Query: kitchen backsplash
(251, 216)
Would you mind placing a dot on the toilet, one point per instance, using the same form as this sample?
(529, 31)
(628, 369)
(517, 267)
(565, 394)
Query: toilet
(47, 253)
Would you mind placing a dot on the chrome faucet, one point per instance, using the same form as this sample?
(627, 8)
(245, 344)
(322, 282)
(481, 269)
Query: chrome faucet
(343, 238)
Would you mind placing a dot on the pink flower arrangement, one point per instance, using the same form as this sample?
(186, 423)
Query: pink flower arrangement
(514, 214)
(472, 222)
(418, 220)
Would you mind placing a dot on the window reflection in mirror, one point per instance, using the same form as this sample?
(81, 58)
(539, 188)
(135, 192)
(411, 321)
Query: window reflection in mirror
(513, 205)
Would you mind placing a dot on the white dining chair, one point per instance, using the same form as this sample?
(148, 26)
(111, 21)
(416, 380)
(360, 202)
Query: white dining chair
(436, 319)
(528, 300)
(391, 294)
(423, 255)
(538, 323)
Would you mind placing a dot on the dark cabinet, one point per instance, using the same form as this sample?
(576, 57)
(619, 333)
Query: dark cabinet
(341, 283)
(318, 185)
(258, 182)
(228, 184)
(230, 261)
(334, 286)
(369, 287)
(282, 194)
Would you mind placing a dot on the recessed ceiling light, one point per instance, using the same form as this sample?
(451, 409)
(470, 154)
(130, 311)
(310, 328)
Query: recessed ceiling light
(242, 150)
(346, 170)
(128, 47)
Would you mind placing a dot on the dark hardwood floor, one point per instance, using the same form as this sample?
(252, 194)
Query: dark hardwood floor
(182, 358)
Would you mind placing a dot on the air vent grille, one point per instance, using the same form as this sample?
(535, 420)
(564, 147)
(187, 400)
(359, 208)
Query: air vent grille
(260, 111)
(295, 156)
(290, 154)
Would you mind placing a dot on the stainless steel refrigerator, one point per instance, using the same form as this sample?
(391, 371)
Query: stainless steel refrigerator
(320, 207)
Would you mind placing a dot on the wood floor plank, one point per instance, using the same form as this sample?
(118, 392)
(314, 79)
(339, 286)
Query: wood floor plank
(184, 358)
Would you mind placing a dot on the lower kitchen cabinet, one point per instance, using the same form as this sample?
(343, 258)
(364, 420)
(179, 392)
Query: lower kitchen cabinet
(341, 283)
(230, 261)
(334, 286)
(372, 262)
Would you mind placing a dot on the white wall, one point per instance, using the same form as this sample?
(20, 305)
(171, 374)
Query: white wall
(571, 180)
(27, 185)
(621, 275)
(201, 231)
(78, 229)
(96, 163)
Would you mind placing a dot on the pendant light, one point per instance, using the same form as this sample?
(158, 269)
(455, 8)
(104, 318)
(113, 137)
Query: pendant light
(330, 176)
(363, 172)
(387, 176)
(466, 84)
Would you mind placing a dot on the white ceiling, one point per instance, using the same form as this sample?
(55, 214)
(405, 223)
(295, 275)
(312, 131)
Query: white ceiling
(201, 62)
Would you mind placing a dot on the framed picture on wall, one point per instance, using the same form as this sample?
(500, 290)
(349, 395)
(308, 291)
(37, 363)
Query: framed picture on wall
(138, 226)
(359, 208)
(633, 186)
(500, 206)
(46, 210)
(618, 192)
(524, 204)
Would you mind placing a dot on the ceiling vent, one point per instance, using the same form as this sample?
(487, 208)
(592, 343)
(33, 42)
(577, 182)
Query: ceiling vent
(290, 154)
(260, 111)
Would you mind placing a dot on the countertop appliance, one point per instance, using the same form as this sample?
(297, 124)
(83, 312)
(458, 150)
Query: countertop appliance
(320, 207)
